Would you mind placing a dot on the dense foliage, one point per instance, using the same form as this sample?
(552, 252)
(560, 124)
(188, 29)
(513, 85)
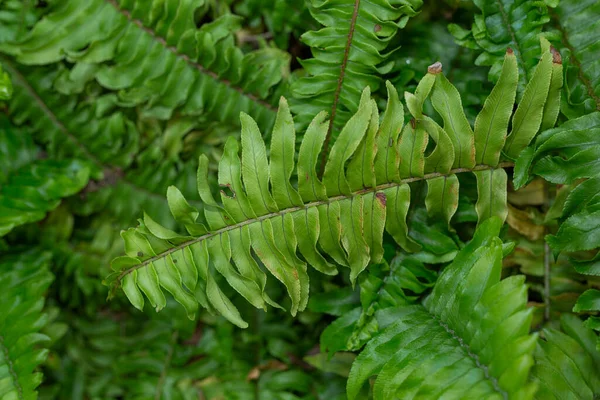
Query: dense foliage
(281, 199)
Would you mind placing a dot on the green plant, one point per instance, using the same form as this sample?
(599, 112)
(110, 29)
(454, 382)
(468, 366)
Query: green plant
(447, 227)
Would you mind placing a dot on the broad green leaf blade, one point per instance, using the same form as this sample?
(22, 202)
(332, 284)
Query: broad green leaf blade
(527, 119)
(282, 156)
(491, 194)
(397, 205)
(309, 185)
(307, 229)
(491, 124)
(446, 101)
(387, 157)
(552, 106)
(219, 251)
(441, 159)
(374, 223)
(216, 216)
(230, 177)
(255, 168)
(263, 243)
(442, 197)
(353, 239)
(361, 169)
(331, 232)
(588, 301)
(184, 213)
(415, 102)
(411, 147)
(334, 178)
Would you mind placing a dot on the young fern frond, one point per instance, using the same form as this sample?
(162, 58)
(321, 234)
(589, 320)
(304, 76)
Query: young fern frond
(577, 22)
(337, 220)
(24, 280)
(469, 338)
(506, 23)
(175, 65)
(337, 73)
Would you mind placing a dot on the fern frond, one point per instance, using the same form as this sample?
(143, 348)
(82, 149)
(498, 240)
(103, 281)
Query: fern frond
(383, 289)
(158, 60)
(567, 362)
(24, 278)
(108, 144)
(339, 219)
(566, 155)
(349, 53)
(577, 22)
(29, 187)
(506, 23)
(469, 339)
(67, 128)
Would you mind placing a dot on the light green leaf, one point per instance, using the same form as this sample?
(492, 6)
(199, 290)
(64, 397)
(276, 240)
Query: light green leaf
(491, 125)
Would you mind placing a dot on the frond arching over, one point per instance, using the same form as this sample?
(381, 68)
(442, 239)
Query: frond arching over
(175, 66)
(337, 220)
(469, 339)
(24, 280)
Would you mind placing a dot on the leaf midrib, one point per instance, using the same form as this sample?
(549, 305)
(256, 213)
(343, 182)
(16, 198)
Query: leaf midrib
(340, 83)
(306, 206)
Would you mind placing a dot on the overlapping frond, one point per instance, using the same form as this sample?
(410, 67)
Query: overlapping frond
(577, 22)
(506, 23)
(108, 144)
(158, 60)
(567, 363)
(337, 220)
(349, 53)
(570, 154)
(24, 279)
(67, 128)
(30, 187)
(383, 290)
(469, 339)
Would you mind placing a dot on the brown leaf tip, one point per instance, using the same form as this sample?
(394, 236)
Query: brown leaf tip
(435, 68)
(510, 51)
(556, 58)
(382, 198)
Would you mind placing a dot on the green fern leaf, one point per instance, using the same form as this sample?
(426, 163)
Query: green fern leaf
(567, 364)
(578, 26)
(506, 24)
(382, 290)
(24, 279)
(351, 208)
(29, 188)
(337, 73)
(468, 339)
(196, 71)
